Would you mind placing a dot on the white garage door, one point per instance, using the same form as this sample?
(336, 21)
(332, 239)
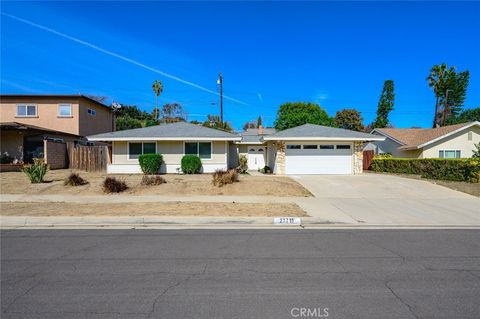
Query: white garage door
(321, 158)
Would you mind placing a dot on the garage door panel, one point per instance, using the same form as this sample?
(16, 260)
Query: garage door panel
(323, 164)
(318, 161)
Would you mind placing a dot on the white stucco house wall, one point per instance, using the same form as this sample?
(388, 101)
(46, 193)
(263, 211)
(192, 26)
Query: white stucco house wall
(173, 141)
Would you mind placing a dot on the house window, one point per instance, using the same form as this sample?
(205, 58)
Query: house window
(450, 154)
(310, 147)
(293, 147)
(92, 112)
(343, 147)
(470, 136)
(327, 147)
(26, 110)
(200, 149)
(65, 110)
(137, 149)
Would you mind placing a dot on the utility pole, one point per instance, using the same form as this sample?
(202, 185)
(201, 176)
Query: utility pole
(220, 84)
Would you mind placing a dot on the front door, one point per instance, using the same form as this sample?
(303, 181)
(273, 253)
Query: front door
(256, 157)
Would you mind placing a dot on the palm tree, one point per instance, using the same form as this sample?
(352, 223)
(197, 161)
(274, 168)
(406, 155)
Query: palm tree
(157, 87)
(436, 80)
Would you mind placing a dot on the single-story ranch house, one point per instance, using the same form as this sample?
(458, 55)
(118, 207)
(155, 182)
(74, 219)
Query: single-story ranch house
(452, 141)
(306, 149)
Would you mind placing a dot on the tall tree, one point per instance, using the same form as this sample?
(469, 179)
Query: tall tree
(456, 85)
(130, 116)
(450, 88)
(157, 87)
(436, 80)
(292, 114)
(173, 112)
(213, 121)
(385, 105)
(465, 116)
(349, 119)
(259, 121)
(250, 124)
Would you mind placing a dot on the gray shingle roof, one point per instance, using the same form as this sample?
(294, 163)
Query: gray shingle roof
(312, 131)
(173, 131)
(251, 135)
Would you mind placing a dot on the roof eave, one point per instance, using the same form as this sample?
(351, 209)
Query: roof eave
(364, 139)
(448, 134)
(245, 143)
(126, 139)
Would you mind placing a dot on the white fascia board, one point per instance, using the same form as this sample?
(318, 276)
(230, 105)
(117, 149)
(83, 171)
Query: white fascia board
(252, 143)
(448, 134)
(376, 138)
(127, 139)
(386, 135)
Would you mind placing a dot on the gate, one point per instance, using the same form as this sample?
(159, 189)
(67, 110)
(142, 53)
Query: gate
(367, 159)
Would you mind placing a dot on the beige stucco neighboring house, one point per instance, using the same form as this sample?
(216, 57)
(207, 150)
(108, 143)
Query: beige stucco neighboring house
(26, 121)
(452, 141)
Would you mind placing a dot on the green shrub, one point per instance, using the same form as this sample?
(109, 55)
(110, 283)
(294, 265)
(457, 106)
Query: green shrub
(74, 179)
(243, 161)
(150, 163)
(265, 170)
(383, 155)
(113, 185)
(36, 171)
(222, 177)
(462, 169)
(152, 180)
(191, 164)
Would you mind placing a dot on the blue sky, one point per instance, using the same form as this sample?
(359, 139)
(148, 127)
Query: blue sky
(334, 53)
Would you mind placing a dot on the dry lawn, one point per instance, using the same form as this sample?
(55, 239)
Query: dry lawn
(150, 209)
(182, 185)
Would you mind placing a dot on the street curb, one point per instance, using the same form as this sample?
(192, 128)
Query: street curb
(182, 222)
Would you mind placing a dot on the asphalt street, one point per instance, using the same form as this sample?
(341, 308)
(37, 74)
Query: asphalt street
(240, 274)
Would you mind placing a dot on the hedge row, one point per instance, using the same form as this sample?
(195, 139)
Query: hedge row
(462, 169)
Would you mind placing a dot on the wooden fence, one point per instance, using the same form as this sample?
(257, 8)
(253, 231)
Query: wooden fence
(88, 158)
(367, 159)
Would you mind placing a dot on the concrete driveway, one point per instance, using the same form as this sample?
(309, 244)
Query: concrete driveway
(384, 199)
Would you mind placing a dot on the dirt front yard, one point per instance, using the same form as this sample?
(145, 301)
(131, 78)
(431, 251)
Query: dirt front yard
(150, 209)
(183, 185)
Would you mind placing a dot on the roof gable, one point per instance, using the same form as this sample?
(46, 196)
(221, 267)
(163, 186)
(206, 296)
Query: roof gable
(172, 131)
(412, 138)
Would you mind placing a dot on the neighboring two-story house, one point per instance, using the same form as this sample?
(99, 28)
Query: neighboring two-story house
(27, 120)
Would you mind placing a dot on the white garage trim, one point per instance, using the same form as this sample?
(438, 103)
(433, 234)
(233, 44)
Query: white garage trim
(319, 158)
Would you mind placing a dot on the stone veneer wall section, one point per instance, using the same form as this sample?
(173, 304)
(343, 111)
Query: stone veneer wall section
(280, 160)
(357, 158)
